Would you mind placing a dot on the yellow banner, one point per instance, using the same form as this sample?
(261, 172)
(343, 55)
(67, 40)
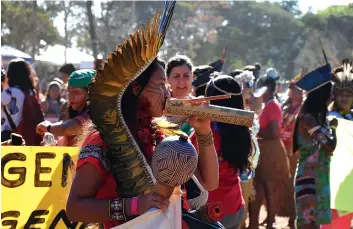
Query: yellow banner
(35, 184)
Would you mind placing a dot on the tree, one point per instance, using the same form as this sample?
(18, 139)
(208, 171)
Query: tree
(260, 32)
(20, 26)
(335, 27)
(92, 28)
(272, 33)
(291, 6)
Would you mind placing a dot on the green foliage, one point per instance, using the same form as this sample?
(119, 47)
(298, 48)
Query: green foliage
(24, 25)
(291, 6)
(275, 34)
(337, 11)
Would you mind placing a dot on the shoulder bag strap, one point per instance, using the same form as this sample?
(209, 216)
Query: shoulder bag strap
(12, 124)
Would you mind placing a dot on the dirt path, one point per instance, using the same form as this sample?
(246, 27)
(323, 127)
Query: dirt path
(281, 223)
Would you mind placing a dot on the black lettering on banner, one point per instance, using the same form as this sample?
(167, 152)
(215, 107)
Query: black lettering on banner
(40, 169)
(67, 164)
(21, 171)
(11, 223)
(62, 215)
(32, 220)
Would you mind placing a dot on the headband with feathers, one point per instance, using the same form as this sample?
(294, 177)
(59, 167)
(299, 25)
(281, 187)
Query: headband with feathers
(343, 76)
(245, 78)
(130, 169)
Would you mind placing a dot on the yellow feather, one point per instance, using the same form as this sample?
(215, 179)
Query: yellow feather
(167, 128)
(105, 93)
(138, 49)
(143, 44)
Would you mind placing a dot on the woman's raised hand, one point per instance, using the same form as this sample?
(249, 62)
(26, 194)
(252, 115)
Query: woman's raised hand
(201, 127)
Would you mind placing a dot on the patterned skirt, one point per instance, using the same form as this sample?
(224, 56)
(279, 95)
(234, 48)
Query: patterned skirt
(312, 192)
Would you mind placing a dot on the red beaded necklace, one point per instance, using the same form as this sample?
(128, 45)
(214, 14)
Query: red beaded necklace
(148, 135)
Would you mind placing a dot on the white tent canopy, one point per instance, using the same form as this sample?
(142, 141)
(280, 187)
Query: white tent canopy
(56, 55)
(8, 53)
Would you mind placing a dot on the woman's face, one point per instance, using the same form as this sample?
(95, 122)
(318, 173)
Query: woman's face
(296, 94)
(54, 92)
(247, 93)
(344, 99)
(156, 92)
(180, 79)
(77, 97)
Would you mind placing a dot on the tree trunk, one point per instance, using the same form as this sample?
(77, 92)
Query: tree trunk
(92, 28)
(35, 41)
(66, 16)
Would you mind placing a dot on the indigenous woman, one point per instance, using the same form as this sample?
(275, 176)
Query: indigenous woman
(113, 181)
(314, 140)
(272, 173)
(234, 147)
(246, 79)
(77, 110)
(343, 92)
(342, 108)
(291, 109)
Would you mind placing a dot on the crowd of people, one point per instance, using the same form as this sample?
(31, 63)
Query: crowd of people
(281, 162)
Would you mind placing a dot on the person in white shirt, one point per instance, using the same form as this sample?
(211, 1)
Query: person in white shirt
(13, 98)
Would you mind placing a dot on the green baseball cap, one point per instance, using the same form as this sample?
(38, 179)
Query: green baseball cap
(81, 78)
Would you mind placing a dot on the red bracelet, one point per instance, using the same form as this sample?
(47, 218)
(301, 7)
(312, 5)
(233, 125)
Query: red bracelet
(134, 208)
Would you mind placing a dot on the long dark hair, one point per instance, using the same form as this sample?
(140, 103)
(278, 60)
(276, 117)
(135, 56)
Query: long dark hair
(236, 146)
(19, 75)
(200, 91)
(316, 105)
(129, 102)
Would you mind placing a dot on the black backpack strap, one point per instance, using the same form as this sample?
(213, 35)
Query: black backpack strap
(12, 124)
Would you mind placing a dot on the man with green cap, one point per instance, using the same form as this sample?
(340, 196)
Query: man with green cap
(76, 112)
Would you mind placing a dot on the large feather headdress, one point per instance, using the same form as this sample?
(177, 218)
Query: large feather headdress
(343, 76)
(129, 166)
